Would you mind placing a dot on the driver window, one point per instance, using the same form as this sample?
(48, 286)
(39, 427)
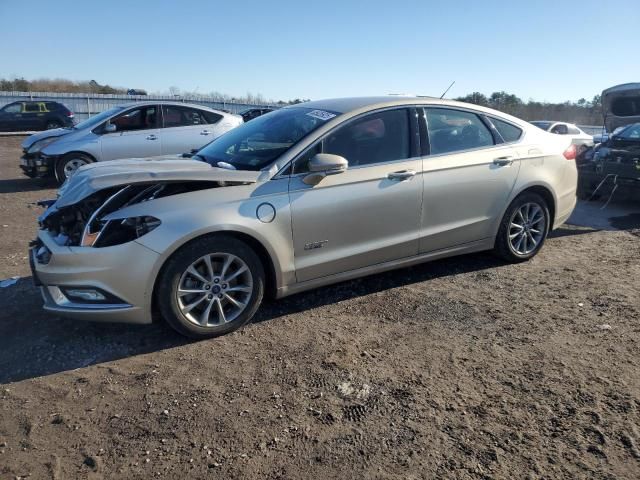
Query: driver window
(15, 108)
(139, 119)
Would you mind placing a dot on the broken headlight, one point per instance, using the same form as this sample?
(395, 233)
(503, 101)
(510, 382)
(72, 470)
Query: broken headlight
(108, 233)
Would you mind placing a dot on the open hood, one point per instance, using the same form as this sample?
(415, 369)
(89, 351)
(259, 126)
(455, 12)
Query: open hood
(621, 105)
(101, 175)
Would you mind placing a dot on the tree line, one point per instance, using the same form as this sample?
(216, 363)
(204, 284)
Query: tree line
(582, 112)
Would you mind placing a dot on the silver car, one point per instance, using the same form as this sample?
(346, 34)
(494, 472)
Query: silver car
(141, 129)
(301, 197)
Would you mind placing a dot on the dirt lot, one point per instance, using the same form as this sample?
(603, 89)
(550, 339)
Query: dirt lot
(463, 368)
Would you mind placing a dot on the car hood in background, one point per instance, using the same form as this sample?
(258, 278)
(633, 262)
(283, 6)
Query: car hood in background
(100, 175)
(56, 132)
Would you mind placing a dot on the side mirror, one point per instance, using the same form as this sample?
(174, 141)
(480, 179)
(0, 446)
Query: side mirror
(109, 128)
(323, 164)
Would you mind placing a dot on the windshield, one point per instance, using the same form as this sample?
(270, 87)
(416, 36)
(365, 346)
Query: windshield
(258, 143)
(96, 119)
(543, 125)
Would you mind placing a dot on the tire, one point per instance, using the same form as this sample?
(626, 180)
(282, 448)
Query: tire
(51, 124)
(67, 165)
(218, 291)
(536, 228)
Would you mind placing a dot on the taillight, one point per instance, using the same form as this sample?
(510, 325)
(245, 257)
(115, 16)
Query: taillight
(70, 114)
(571, 153)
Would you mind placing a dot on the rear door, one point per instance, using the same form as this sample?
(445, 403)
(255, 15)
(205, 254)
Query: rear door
(137, 134)
(468, 175)
(33, 116)
(186, 128)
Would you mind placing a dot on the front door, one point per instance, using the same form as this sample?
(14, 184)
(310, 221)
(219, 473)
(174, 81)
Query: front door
(370, 213)
(467, 180)
(137, 135)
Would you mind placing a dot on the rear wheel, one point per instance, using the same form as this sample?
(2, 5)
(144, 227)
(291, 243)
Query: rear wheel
(51, 124)
(210, 287)
(524, 228)
(68, 165)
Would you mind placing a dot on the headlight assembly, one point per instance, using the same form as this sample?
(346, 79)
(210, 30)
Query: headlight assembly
(40, 144)
(116, 232)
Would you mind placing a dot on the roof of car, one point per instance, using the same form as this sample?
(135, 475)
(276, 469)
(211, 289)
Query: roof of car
(166, 102)
(354, 104)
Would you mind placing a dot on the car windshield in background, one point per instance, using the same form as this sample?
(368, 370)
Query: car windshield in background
(256, 144)
(96, 119)
(543, 125)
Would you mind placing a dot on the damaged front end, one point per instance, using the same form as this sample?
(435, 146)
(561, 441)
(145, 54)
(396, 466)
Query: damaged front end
(84, 224)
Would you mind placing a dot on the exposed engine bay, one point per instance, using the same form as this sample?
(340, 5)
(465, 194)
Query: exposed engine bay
(83, 223)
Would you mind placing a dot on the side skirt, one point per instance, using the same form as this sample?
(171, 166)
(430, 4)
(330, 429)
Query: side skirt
(477, 246)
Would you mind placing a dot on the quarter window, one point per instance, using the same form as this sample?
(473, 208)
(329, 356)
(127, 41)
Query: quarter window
(455, 130)
(175, 116)
(379, 137)
(508, 132)
(139, 119)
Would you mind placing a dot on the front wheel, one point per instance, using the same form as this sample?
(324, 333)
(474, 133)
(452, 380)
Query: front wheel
(210, 287)
(68, 165)
(523, 229)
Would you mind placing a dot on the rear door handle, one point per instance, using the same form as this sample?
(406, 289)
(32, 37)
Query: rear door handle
(205, 132)
(503, 161)
(401, 175)
(152, 137)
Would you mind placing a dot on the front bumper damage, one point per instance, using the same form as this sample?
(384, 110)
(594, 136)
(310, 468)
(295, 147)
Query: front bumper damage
(37, 165)
(128, 291)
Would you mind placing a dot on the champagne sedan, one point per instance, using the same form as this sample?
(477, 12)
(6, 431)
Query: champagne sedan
(301, 197)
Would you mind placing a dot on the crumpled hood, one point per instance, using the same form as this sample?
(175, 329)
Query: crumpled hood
(56, 132)
(100, 175)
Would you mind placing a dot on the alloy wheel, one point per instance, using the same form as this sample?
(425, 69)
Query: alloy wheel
(72, 166)
(215, 289)
(527, 228)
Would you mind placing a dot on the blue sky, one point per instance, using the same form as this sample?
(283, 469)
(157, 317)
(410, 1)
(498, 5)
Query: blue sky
(546, 50)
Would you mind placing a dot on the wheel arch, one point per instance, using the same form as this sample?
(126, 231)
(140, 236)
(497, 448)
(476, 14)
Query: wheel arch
(548, 196)
(260, 249)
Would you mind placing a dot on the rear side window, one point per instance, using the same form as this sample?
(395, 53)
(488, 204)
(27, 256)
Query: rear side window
(573, 130)
(455, 130)
(211, 117)
(55, 106)
(508, 132)
(31, 107)
(175, 116)
(375, 138)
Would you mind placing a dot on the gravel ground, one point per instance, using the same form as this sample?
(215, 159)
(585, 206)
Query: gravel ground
(464, 368)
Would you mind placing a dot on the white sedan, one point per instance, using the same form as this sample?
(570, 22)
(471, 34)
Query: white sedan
(580, 138)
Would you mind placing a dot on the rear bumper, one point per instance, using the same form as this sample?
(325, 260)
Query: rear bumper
(123, 272)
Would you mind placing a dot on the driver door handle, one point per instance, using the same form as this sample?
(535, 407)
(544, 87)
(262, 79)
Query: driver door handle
(152, 137)
(205, 132)
(503, 161)
(401, 175)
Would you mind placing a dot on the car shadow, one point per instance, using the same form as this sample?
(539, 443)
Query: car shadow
(17, 185)
(34, 343)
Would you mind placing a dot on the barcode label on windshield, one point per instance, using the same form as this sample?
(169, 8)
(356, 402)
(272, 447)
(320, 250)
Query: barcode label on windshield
(321, 115)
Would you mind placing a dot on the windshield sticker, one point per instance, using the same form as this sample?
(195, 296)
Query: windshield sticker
(321, 115)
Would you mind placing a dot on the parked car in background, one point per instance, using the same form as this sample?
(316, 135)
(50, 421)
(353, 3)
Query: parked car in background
(27, 116)
(251, 113)
(305, 196)
(136, 91)
(581, 139)
(141, 129)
